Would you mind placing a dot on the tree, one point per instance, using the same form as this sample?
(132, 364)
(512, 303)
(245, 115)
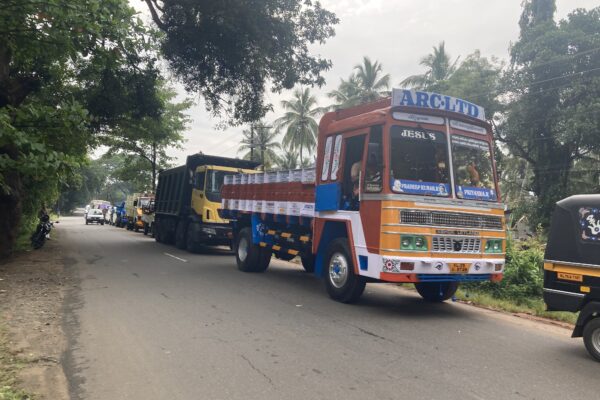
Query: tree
(372, 84)
(229, 50)
(439, 68)
(260, 143)
(347, 94)
(366, 84)
(299, 122)
(553, 86)
(145, 140)
(49, 52)
(288, 160)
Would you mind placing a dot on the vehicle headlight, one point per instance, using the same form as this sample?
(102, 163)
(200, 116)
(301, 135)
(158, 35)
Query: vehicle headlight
(412, 242)
(493, 246)
(209, 231)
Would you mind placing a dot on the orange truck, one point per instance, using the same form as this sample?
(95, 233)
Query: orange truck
(404, 190)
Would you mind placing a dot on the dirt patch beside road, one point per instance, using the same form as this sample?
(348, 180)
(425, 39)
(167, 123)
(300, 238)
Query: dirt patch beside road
(32, 289)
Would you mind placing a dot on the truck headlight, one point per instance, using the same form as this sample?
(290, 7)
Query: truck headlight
(413, 242)
(209, 231)
(493, 246)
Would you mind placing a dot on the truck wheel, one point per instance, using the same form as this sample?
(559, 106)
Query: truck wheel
(264, 259)
(308, 262)
(136, 228)
(191, 245)
(591, 337)
(249, 256)
(436, 291)
(180, 235)
(341, 282)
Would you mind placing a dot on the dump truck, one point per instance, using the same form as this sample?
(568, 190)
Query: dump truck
(134, 206)
(405, 190)
(187, 200)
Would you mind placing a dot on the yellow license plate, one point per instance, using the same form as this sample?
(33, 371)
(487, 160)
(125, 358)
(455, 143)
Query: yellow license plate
(570, 277)
(459, 268)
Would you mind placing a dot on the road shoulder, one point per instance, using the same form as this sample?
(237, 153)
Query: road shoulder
(32, 290)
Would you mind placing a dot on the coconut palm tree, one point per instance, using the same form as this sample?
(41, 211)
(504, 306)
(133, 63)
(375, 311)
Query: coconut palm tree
(298, 123)
(260, 144)
(366, 84)
(288, 160)
(347, 94)
(371, 83)
(439, 69)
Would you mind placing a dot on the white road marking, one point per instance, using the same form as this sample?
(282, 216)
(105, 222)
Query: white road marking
(175, 257)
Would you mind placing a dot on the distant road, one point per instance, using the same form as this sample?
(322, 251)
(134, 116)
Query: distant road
(149, 322)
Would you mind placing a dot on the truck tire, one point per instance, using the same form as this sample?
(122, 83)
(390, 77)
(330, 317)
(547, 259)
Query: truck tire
(308, 263)
(591, 337)
(248, 256)
(136, 228)
(341, 282)
(191, 245)
(436, 292)
(180, 235)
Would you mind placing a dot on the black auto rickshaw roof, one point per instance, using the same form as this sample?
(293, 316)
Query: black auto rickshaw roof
(575, 230)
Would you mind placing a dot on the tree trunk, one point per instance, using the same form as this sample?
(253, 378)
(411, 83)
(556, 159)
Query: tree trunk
(11, 206)
(154, 167)
(550, 181)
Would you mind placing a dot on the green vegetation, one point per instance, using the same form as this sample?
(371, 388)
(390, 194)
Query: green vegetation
(521, 289)
(9, 366)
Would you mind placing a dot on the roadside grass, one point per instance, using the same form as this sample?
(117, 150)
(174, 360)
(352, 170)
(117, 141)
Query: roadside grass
(531, 306)
(9, 365)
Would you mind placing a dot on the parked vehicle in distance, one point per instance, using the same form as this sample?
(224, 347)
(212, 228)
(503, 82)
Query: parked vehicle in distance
(133, 209)
(187, 200)
(120, 216)
(572, 266)
(94, 215)
(405, 190)
(148, 218)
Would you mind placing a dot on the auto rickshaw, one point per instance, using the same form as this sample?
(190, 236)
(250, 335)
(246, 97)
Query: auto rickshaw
(572, 266)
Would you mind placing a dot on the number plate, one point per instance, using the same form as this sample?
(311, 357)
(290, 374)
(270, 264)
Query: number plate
(459, 268)
(570, 277)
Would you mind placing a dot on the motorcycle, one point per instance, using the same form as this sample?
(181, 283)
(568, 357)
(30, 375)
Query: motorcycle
(41, 233)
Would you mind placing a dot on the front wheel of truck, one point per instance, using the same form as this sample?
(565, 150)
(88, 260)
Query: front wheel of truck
(436, 292)
(341, 282)
(591, 337)
(181, 235)
(250, 257)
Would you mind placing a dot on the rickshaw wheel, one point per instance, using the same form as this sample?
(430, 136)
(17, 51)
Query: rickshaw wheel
(591, 337)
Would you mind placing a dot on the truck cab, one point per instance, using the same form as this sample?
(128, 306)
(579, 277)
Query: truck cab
(187, 200)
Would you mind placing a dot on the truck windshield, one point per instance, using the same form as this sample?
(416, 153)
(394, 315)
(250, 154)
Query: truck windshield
(214, 182)
(419, 162)
(474, 178)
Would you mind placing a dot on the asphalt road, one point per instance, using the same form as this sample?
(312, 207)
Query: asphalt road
(148, 321)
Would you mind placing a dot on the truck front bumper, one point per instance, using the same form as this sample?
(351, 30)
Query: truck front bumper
(211, 234)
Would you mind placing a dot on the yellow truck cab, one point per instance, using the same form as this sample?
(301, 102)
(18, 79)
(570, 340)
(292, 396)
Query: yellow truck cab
(187, 200)
(134, 206)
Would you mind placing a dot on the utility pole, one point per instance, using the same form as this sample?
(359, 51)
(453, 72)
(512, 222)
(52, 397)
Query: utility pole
(252, 142)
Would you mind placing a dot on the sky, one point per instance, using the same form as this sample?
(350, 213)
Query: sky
(397, 33)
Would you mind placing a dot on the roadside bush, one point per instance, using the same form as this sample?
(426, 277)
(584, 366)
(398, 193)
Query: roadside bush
(523, 274)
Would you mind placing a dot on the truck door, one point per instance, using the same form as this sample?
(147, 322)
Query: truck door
(353, 170)
(198, 190)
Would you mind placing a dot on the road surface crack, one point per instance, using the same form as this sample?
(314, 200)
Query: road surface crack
(257, 370)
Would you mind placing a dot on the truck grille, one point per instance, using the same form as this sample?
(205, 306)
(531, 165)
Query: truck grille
(446, 244)
(457, 220)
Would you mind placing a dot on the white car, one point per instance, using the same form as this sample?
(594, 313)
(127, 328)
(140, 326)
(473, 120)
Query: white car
(94, 215)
